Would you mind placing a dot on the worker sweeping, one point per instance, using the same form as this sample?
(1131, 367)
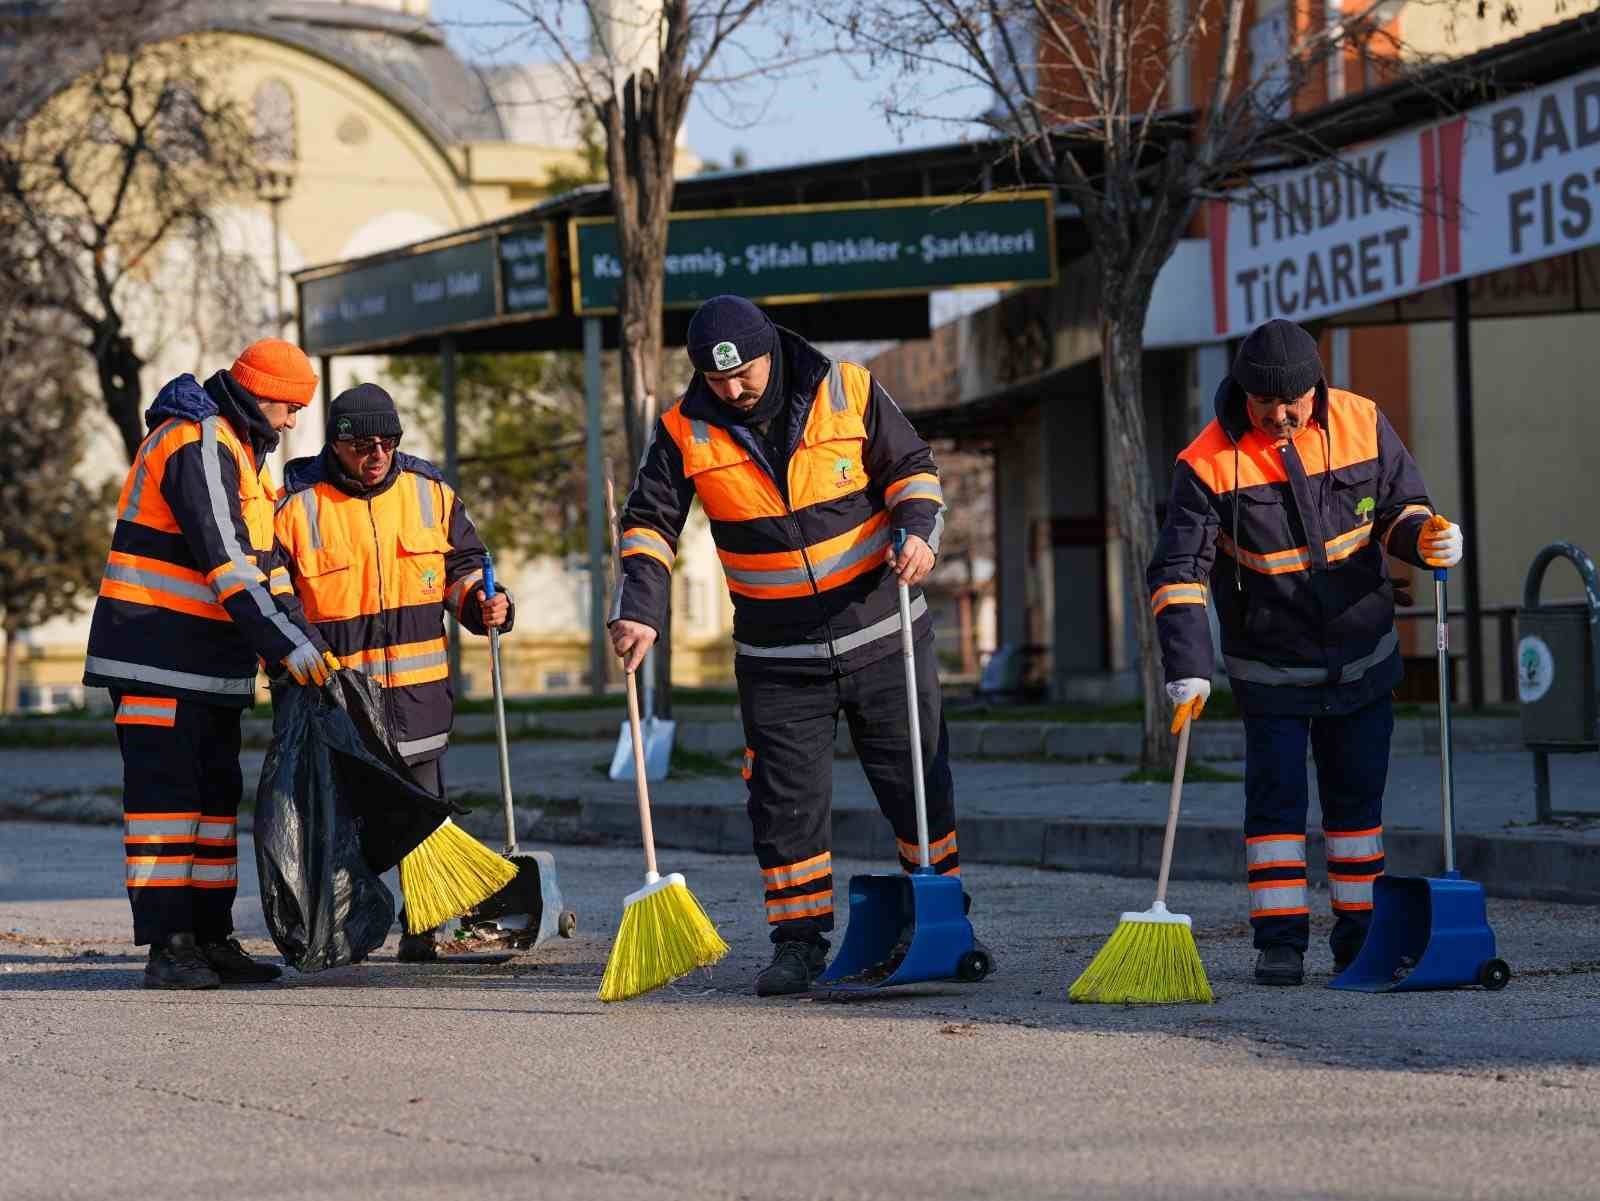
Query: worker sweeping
(378, 548)
(1303, 489)
(805, 467)
(184, 610)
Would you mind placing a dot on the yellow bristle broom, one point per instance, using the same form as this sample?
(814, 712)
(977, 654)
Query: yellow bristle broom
(664, 933)
(448, 874)
(1150, 959)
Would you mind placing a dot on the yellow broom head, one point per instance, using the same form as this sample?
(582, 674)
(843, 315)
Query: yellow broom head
(664, 935)
(1150, 959)
(449, 873)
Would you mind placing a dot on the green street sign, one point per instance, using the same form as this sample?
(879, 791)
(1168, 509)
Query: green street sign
(402, 297)
(809, 252)
(525, 271)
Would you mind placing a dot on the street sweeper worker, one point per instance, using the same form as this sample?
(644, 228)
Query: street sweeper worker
(1282, 513)
(378, 548)
(805, 468)
(184, 611)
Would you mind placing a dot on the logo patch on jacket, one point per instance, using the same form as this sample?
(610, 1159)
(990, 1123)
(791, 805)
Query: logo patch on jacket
(430, 579)
(1364, 508)
(842, 466)
(725, 355)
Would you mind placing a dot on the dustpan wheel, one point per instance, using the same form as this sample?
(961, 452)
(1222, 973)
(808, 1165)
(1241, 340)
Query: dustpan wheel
(1494, 974)
(974, 965)
(567, 923)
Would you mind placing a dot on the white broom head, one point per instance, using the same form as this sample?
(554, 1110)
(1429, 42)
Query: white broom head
(1160, 915)
(655, 883)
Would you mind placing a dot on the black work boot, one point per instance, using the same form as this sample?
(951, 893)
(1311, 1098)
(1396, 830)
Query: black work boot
(228, 960)
(794, 966)
(176, 962)
(418, 948)
(1281, 965)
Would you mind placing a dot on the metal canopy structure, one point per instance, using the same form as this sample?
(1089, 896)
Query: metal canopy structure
(846, 250)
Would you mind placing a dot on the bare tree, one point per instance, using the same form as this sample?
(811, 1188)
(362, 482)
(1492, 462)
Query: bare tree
(1082, 94)
(120, 145)
(52, 524)
(632, 69)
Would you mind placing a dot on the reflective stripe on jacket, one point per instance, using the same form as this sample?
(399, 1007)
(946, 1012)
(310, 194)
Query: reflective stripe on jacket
(184, 608)
(1302, 596)
(375, 571)
(803, 555)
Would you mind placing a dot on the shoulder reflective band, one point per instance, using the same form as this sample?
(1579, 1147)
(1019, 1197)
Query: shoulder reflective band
(425, 500)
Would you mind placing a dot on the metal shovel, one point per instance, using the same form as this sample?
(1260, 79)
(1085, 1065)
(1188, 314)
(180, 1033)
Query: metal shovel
(527, 911)
(1429, 931)
(929, 907)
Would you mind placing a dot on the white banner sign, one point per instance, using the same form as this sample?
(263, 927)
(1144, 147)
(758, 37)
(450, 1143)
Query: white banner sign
(1503, 184)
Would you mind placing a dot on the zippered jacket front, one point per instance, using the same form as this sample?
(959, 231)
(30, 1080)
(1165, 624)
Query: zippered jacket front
(184, 608)
(802, 550)
(376, 569)
(1303, 599)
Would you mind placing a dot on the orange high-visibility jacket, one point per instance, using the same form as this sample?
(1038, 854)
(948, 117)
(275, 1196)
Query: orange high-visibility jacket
(375, 569)
(803, 554)
(184, 607)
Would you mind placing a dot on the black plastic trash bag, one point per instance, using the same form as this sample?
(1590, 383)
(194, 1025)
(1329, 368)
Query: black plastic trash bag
(334, 809)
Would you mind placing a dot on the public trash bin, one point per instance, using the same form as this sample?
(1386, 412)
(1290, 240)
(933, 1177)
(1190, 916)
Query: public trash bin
(1558, 668)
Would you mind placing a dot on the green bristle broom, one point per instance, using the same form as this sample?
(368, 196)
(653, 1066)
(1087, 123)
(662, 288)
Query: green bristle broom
(1150, 959)
(664, 933)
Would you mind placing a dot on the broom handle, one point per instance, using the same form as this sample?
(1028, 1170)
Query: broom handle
(1172, 811)
(636, 734)
(500, 713)
(908, 652)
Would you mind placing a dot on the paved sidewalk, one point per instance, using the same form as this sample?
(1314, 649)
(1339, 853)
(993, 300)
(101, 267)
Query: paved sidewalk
(1077, 816)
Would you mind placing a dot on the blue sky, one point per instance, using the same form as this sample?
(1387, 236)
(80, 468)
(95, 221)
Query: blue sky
(825, 110)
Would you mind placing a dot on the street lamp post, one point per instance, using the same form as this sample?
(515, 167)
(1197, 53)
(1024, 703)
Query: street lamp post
(273, 185)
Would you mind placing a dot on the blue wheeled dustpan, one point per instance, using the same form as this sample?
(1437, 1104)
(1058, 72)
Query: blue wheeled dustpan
(1429, 931)
(884, 909)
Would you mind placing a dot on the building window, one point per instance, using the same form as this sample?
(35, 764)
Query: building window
(274, 130)
(557, 681)
(1269, 63)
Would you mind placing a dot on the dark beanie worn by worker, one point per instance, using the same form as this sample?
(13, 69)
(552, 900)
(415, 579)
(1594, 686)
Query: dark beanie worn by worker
(1278, 359)
(365, 411)
(727, 332)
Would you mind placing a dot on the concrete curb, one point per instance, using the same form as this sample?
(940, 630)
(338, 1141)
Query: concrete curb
(711, 729)
(1546, 866)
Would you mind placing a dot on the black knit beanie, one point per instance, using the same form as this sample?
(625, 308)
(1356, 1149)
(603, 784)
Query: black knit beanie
(1278, 359)
(365, 411)
(726, 332)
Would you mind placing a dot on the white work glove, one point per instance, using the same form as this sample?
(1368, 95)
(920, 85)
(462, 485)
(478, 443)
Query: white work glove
(307, 665)
(1439, 543)
(1188, 696)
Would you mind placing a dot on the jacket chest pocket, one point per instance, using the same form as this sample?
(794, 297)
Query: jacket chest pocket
(736, 491)
(328, 584)
(419, 566)
(1352, 509)
(832, 465)
(257, 508)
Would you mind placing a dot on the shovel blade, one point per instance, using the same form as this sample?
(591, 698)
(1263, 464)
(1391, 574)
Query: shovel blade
(658, 736)
(903, 929)
(1426, 932)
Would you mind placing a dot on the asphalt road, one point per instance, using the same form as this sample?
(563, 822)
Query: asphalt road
(450, 1081)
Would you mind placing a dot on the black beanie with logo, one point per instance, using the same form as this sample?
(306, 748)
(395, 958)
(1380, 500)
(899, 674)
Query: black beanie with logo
(365, 411)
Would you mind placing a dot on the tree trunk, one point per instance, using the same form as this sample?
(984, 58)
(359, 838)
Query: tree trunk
(12, 684)
(1132, 506)
(118, 367)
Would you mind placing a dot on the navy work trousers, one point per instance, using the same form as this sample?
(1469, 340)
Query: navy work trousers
(1352, 759)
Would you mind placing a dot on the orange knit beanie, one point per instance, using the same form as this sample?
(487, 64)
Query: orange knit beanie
(273, 369)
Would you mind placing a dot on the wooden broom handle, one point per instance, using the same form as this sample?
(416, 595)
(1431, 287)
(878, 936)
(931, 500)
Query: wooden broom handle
(642, 786)
(1172, 811)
